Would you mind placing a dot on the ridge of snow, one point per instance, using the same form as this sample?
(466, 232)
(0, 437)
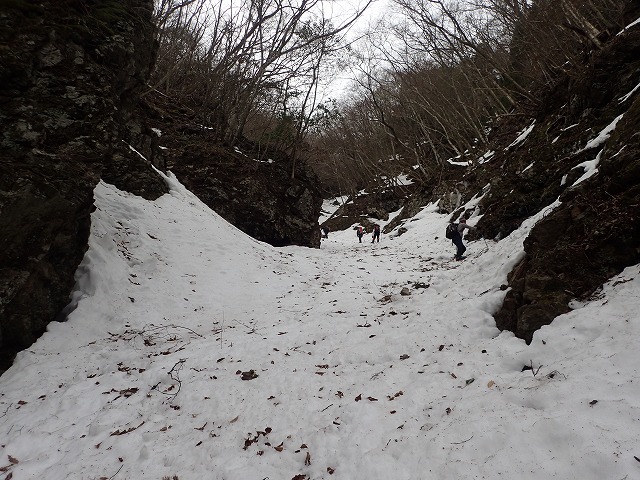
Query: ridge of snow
(603, 136)
(522, 136)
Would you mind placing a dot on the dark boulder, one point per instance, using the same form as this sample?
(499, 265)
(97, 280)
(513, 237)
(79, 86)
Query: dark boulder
(256, 195)
(248, 185)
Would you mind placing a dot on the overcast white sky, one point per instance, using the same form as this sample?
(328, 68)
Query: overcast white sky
(347, 7)
(341, 11)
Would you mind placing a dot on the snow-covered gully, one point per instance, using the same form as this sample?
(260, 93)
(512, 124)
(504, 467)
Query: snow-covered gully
(196, 352)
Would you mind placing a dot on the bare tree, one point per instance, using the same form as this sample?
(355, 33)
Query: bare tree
(234, 60)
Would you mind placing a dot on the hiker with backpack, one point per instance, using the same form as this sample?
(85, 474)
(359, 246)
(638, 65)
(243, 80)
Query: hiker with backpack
(454, 232)
(376, 233)
(360, 232)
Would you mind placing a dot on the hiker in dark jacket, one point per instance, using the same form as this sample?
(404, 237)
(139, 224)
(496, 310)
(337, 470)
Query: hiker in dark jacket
(457, 237)
(376, 233)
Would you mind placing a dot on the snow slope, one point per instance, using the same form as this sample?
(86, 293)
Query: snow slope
(200, 353)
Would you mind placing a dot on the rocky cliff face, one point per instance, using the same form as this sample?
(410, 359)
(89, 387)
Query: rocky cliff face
(70, 78)
(377, 204)
(586, 123)
(73, 76)
(255, 195)
(594, 233)
(248, 186)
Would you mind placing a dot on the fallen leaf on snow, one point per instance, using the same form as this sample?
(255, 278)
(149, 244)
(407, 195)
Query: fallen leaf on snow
(395, 395)
(249, 375)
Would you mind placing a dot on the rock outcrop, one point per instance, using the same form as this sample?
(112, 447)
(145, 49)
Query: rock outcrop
(249, 186)
(71, 75)
(591, 117)
(256, 195)
(377, 204)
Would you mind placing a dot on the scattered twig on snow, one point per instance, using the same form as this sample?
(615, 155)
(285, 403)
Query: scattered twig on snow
(113, 476)
(326, 408)
(5, 412)
(185, 328)
(464, 441)
(123, 432)
(534, 371)
(152, 334)
(174, 374)
(296, 349)
(221, 330)
(252, 329)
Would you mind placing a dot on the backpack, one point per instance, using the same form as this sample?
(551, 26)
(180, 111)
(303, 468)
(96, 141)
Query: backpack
(452, 230)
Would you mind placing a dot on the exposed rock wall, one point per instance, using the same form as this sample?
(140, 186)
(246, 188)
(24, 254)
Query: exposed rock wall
(256, 195)
(594, 234)
(70, 77)
(248, 186)
(377, 204)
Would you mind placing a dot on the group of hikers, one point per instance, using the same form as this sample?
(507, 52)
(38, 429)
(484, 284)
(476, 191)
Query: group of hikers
(360, 232)
(375, 237)
(454, 232)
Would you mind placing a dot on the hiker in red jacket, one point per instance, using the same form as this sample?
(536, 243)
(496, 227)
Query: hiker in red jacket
(359, 232)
